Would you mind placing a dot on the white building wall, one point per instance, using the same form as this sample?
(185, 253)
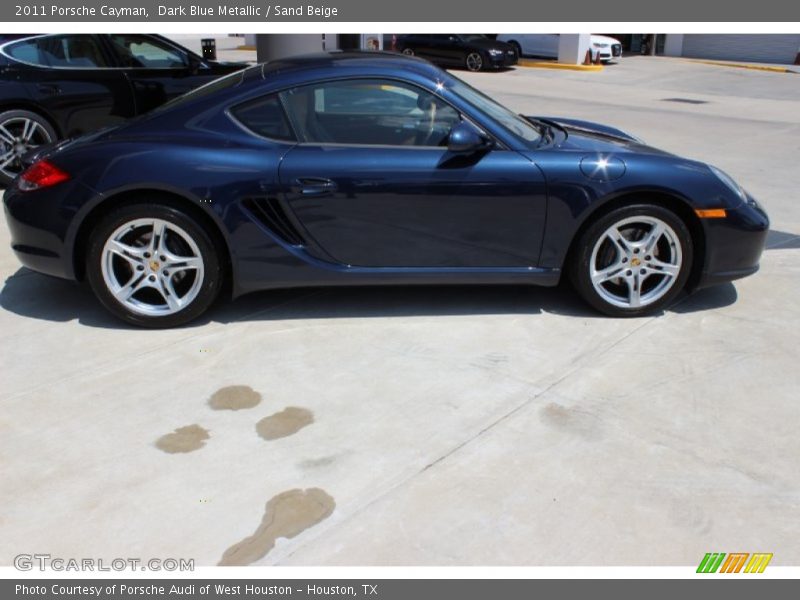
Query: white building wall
(673, 45)
(572, 47)
(769, 48)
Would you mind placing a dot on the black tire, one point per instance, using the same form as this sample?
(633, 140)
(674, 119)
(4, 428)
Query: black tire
(205, 292)
(12, 121)
(408, 51)
(517, 48)
(674, 246)
(474, 62)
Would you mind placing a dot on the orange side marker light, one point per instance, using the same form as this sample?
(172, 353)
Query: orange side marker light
(711, 213)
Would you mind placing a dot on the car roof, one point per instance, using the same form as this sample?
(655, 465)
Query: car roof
(14, 37)
(348, 59)
(267, 77)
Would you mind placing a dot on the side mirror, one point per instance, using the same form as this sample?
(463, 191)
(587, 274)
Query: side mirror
(195, 63)
(466, 139)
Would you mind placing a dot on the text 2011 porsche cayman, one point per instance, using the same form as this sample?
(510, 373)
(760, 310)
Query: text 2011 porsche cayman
(353, 169)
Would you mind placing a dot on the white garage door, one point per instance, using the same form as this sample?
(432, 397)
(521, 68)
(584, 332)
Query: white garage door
(775, 48)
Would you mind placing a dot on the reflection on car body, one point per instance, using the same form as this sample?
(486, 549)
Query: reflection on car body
(56, 86)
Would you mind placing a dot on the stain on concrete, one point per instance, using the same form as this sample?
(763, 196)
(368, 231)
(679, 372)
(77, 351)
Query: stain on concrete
(234, 397)
(287, 422)
(287, 515)
(316, 463)
(687, 514)
(490, 360)
(572, 420)
(183, 439)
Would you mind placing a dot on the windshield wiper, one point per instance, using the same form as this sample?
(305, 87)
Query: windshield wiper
(545, 129)
(548, 136)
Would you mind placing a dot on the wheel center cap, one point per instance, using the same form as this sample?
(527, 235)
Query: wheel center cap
(154, 266)
(636, 262)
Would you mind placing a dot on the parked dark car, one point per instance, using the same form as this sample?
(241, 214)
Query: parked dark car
(371, 168)
(470, 51)
(56, 86)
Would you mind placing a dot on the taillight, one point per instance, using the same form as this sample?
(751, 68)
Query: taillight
(41, 174)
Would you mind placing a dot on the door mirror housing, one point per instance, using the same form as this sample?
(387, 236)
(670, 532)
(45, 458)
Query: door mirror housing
(466, 139)
(195, 63)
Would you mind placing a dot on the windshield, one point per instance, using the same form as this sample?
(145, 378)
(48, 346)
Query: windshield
(509, 120)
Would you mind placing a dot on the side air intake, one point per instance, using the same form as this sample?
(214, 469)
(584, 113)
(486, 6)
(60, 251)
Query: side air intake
(270, 213)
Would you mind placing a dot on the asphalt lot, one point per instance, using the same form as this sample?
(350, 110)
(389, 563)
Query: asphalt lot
(433, 426)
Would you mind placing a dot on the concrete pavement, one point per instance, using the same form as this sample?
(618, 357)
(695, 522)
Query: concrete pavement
(433, 426)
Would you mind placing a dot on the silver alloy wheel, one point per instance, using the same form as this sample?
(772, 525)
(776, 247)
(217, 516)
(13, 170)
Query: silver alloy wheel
(408, 52)
(18, 136)
(152, 267)
(474, 61)
(635, 262)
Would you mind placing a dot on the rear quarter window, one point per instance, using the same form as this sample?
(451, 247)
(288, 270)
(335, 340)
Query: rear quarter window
(24, 51)
(264, 117)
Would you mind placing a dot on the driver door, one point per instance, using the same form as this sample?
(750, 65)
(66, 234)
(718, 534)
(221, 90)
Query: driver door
(374, 184)
(157, 70)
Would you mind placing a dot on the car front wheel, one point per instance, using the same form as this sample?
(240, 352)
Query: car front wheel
(633, 261)
(153, 265)
(474, 61)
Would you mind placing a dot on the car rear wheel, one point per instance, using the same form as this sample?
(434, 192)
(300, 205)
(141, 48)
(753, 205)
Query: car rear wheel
(474, 61)
(633, 261)
(20, 132)
(153, 265)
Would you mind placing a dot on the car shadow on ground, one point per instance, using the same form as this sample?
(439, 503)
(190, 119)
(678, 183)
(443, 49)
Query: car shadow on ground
(782, 240)
(36, 296)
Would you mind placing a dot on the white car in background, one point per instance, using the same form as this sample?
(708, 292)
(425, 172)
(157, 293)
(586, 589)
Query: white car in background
(546, 44)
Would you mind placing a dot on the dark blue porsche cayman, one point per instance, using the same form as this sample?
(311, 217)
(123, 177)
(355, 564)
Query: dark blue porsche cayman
(354, 169)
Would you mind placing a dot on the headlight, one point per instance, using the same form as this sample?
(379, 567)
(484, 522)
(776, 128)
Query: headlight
(729, 182)
(495, 52)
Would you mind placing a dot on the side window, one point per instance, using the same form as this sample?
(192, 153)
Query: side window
(369, 112)
(66, 51)
(146, 52)
(27, 51)
(265, 117)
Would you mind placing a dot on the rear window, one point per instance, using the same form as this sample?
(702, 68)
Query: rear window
(264, 117)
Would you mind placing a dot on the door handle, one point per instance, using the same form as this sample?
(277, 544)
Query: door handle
(49, 88)
(314, 186)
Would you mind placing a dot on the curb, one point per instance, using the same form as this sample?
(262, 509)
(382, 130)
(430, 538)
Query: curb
(245, 47)
(742, 65)
(535, 64)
